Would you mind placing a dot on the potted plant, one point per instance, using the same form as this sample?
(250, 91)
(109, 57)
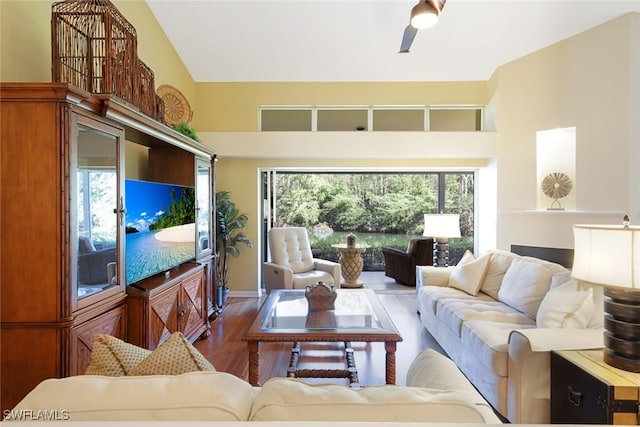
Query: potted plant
(230, 224)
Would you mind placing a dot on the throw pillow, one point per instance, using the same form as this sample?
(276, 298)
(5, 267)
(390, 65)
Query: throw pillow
(559, 279)
(174, 356)
(525, 284)
(467, 257)
(468, 276)
(566, 307)
(113, 357)
(498, 265)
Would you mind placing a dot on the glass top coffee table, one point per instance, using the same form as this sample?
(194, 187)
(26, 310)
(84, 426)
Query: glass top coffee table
(358, 317)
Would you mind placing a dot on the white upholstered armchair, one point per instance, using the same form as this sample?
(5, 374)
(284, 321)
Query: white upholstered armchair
(292, 265)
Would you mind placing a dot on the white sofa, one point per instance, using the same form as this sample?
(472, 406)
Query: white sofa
(498, 317)
(436, 392)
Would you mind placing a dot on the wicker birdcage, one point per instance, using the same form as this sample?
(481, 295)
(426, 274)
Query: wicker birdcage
(95, 48)
(146, 92)
(160, 108)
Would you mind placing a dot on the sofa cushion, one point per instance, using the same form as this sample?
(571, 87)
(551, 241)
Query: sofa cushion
(499, 263)
(289, 399)
(566, 307)
(488, 343)
(468, 274)
(454, 313)
(195, 396)
(113, 357)
(526, 282)
(429, 297)
(174, 356)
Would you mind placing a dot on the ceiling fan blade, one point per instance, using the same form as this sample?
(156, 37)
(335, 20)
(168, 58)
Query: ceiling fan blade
(407, 38)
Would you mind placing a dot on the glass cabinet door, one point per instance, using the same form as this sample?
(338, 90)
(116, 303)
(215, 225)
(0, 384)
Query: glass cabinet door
(96, 212)
(203, 209)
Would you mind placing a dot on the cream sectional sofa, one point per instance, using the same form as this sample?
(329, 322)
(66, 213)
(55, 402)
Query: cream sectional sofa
(498, 317)
(436, 392)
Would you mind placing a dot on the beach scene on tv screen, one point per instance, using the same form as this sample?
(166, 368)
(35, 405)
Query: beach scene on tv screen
(160, 228)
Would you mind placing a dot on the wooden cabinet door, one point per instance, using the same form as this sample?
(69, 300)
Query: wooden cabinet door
(164, 315)
(113, 322)
(193, 305)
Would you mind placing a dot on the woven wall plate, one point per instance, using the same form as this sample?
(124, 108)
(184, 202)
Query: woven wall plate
(176, 107)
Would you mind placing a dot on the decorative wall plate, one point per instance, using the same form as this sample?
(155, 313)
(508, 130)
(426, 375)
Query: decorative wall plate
(556, 185)
(176, 107)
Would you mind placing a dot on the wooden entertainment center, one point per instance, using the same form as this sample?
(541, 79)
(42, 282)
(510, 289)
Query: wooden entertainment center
(65, 150)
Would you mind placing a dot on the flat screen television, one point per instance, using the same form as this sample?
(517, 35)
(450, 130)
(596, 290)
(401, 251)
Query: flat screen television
(160, 228)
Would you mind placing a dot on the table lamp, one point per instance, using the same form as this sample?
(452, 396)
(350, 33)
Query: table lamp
(609, 256)
(441, 227)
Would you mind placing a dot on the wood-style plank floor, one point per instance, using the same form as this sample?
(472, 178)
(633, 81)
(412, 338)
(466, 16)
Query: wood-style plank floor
(228, 353)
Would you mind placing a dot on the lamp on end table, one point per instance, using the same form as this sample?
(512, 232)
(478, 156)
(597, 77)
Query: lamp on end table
(609, 256)
(441, 227)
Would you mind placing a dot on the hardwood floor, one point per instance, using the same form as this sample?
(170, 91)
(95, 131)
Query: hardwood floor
(228, 353)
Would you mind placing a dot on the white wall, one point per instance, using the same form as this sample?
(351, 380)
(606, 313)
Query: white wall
(553, 229)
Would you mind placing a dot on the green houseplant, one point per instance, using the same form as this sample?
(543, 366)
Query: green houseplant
(185, 129)
(230, 224)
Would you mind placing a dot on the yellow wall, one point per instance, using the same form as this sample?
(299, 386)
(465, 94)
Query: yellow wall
(25, 41)
(234, 106)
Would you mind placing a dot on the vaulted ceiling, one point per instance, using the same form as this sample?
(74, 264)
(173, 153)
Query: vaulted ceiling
(358, 40)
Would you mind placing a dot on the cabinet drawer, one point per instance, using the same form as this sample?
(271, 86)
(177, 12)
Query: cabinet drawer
(579, 397)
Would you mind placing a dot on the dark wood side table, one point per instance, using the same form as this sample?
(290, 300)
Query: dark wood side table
(586, 390)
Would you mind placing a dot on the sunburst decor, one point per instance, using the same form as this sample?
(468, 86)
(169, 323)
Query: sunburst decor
(557, 185)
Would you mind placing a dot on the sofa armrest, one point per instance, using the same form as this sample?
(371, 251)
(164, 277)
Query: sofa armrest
(529, 380)
(276, 276)
(330, 267)
(427, 275)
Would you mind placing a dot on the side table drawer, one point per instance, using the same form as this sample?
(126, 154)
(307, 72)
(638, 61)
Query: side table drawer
(579, 397)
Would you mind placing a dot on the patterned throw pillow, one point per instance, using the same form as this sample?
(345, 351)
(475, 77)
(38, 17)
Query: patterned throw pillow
(174, 356)
(113, 357)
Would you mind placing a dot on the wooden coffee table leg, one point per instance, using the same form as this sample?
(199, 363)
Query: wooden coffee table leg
(254, 363)
(293, 362)
(390, 348)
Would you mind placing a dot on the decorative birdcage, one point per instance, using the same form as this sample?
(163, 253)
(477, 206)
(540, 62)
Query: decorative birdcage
(95, 48)
(160, 109)
(146, 93)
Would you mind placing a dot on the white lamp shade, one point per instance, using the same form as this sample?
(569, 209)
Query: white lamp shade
(442, 225)
(607, 255)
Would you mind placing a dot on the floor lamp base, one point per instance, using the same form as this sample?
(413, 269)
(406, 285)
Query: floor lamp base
(441, 253)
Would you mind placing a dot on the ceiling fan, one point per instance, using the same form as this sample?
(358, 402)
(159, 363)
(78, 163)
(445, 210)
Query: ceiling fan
(423, 15)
